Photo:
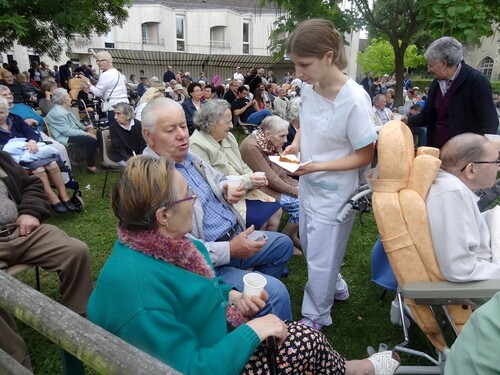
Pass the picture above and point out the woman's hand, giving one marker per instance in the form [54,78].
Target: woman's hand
[32,147]
[306,169]
[269,325]
[248,305]
[258,181]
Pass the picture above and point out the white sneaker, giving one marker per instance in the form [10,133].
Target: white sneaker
[385,363]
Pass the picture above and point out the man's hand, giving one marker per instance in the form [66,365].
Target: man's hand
[241,247]
[27,224]
[236,196]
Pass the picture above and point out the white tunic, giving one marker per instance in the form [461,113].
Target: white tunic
[332,130]
[460,234]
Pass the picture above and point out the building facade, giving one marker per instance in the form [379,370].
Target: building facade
[215,36]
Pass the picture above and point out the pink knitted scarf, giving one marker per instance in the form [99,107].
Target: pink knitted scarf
[181,253]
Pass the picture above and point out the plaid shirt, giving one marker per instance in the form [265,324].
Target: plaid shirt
[217,218]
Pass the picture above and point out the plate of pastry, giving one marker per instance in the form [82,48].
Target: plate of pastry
[289,162]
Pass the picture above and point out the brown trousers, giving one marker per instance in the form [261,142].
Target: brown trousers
[52,249]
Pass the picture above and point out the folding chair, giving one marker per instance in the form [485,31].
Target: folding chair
[398,202]
[110,164]
[20,268]
[247,127]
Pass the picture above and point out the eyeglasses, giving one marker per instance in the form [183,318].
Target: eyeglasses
[98,61]
[191,196]
[497,162]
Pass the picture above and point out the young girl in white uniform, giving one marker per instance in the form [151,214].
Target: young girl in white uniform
[337,136]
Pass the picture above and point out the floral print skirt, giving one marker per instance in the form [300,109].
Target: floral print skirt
[305,351]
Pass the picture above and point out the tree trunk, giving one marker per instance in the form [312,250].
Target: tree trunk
[399,55]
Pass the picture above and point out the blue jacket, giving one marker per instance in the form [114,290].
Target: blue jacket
[189,111]
[18,129]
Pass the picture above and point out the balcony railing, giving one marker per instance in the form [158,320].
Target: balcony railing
[153,42]
[219,44]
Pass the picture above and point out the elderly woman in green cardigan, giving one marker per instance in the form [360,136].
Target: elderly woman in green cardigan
[158,291]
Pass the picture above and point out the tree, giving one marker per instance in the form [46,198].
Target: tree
[47,26]
[465,20]
[379,57]
[397,21]
[291,12]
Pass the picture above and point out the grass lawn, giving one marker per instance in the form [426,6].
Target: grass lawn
[361,321]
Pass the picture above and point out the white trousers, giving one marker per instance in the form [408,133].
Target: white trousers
[324,247]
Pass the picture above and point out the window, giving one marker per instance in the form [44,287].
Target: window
[486,67]
[151,34]
[109,45]
[217,37]
[179,29]
[246,37]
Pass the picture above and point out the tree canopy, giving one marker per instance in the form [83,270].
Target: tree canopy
[46,26]
[397,21]
[378,57]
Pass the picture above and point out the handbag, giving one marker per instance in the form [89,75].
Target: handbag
[105,103]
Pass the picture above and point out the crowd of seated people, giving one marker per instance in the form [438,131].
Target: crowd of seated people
[22,142]
[210,145]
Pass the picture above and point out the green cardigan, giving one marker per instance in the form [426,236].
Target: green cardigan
[177,316]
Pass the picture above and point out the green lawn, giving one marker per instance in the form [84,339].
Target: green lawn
[361,321]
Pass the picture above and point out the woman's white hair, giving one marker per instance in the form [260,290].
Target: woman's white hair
[273,124]
[59,95]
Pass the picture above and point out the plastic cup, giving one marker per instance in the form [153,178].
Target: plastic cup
[259,174]
[397,116]
[254,283]
[232,184]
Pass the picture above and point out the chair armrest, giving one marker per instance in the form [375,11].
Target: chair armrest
[448,293]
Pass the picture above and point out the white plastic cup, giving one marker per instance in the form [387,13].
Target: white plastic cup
[397,116]
[254,283]
[232,184]
[259,174]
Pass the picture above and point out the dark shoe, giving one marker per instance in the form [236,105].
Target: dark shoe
[92,171]
[285,272]
[59,207]
[70,206]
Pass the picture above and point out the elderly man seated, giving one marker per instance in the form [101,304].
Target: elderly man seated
[460,233]
[214,218]
[381,114]
[23,205]
[20,96]
[66,128]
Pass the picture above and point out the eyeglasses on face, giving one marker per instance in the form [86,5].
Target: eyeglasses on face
[98,61]
[191,195]
[497,162]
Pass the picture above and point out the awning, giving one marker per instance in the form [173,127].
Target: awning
[134,57]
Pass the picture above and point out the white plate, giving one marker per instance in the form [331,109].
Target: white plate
[290,167]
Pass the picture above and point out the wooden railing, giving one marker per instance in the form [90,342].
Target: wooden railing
[92,345]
